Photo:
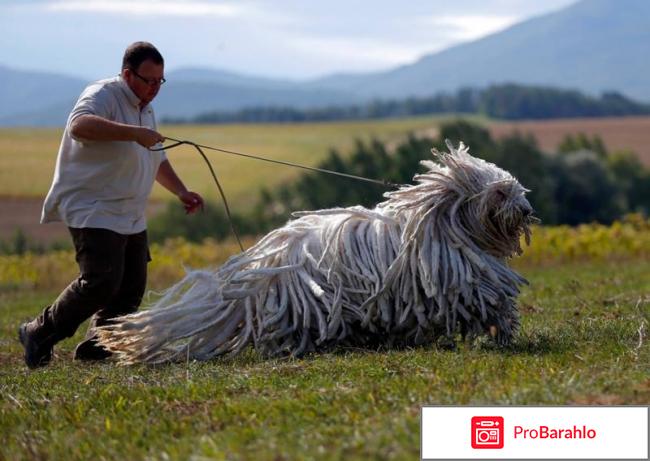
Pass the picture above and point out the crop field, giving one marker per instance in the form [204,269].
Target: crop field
[583,340]
[28,156]
[618,133]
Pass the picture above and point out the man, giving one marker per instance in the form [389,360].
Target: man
[103,178]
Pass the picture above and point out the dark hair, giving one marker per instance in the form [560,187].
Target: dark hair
[138,52]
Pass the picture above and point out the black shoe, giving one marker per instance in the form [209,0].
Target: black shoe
[90,350]
[37,353]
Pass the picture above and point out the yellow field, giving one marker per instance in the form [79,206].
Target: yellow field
[624,240]
[27,156]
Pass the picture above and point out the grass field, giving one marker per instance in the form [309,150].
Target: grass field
[579,344]
[585,319]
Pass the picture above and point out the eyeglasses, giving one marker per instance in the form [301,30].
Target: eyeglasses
[149,81]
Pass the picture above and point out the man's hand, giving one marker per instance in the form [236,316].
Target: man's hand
[191,201]
[167,178]
[147,138]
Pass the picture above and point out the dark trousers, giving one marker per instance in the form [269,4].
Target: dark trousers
[111,282]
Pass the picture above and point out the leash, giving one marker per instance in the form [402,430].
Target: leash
[200,147]
[214,176]
[178,142]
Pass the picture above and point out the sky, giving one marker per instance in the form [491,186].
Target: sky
[289,39]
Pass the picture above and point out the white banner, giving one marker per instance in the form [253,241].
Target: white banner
[534,432]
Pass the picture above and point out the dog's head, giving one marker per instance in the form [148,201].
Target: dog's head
[475,201]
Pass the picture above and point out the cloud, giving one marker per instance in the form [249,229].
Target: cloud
[375,52]
[150,8]
[358,52]
[470,27]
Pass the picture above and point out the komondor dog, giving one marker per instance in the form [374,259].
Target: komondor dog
[428,262]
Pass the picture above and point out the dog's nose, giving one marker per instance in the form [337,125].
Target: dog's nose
[527,214]
[526,208]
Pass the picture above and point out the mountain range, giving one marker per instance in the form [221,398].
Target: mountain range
[592,46]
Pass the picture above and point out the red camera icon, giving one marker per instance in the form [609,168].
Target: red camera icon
[487,432]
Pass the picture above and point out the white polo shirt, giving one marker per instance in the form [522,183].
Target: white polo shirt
[104,184]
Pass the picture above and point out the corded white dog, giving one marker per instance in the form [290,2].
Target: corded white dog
[430,261]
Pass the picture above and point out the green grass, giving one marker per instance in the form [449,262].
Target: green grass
[34,150]
[579,344]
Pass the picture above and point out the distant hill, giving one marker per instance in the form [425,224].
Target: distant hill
[193,91]
[591,46]
[41,99]
[36,98]
[503,101]
[226,78]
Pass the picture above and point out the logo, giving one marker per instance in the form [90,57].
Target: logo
[487,432]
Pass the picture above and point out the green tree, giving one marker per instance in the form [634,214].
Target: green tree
[580,141]
[587,191]
[633,179]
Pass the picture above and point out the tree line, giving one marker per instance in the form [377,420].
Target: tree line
[582,182]
[507,101]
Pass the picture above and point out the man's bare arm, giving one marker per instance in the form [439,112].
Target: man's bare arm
[168,178]
[95,128]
